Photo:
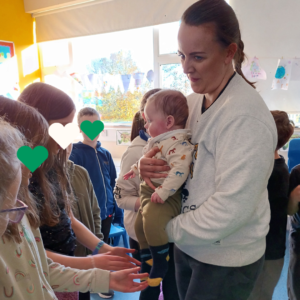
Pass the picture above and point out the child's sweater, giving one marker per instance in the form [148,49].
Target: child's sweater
[177,151]
[27,273]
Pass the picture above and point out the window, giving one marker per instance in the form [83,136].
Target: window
[111,72]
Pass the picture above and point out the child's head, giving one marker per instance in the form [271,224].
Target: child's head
[87,114]
[10,170]
[285,127]
[138,122]
[165,111]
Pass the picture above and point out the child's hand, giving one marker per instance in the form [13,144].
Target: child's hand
[129,175]
[156,199]
[122,281]
[122,252]
[111,262]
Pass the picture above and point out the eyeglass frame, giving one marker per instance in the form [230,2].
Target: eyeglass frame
[24,207]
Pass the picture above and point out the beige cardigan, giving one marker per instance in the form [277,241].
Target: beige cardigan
[27,273]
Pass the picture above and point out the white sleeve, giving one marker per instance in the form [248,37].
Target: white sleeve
[244,158]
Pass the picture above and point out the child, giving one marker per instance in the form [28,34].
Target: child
[26,271]
[278,187]
[166,113]
[100,166]
[85,208]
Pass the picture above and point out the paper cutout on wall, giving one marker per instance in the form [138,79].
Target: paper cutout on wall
[253,71]
[123,137]
[138,77]
[295,75]
[150,76]
[30,60]
[282,75]
[7,50]
[126,82]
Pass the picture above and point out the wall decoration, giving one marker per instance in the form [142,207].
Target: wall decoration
[253,71]
[123,137]
[282,75]
[150,76]
[138,77]
[7,50]
[126,81]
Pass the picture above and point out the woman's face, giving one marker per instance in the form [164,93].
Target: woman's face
[9,201]
[203,59]
[64,122]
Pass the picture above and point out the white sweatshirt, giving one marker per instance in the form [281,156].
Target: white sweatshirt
[127,192]
[177,151]
[225,212]
[27,273]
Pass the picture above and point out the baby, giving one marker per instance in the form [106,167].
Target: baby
[166,113]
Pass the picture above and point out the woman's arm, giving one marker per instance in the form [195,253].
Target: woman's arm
[243,164]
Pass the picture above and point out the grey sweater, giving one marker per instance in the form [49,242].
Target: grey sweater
[225,211]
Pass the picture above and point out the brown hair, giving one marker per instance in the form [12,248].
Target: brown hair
[221,15]
[172,103]
[53,104]
[24,118]
[285,127]
[87,111]
[138,124]
[146,97]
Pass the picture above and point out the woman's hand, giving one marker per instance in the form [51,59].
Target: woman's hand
[129,175]
[111,262]
[150,167]
[122,281]
[156,199]
[137,204]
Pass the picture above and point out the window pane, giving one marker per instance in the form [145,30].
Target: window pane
[174,78]
[168,38]
[113,71]
[55,53]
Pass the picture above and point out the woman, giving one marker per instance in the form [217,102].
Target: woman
[59,226]
[220,235]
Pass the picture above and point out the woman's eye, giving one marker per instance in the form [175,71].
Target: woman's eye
[198,57]
[180,55]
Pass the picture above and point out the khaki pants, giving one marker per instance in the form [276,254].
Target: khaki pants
[152,218]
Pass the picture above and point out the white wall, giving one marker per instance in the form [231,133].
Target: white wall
[271,30]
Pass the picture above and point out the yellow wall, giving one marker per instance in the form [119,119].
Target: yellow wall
[17,27]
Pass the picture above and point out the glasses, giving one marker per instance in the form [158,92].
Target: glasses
[16,214]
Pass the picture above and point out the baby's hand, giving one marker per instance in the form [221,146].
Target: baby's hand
[156,199]
[129,175]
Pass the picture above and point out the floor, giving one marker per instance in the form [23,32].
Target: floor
[280,292]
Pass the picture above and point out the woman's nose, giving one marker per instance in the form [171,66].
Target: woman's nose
[187,66]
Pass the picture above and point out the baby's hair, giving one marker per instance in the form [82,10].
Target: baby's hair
[11,140]
[87,111]
[171,103]
[146,97]
[285,127]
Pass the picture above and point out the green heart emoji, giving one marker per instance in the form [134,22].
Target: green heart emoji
[92,129]
[32,158]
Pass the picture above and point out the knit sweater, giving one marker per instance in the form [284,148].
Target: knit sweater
[27,273]
[128,191]
[226,213]
[86,208]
